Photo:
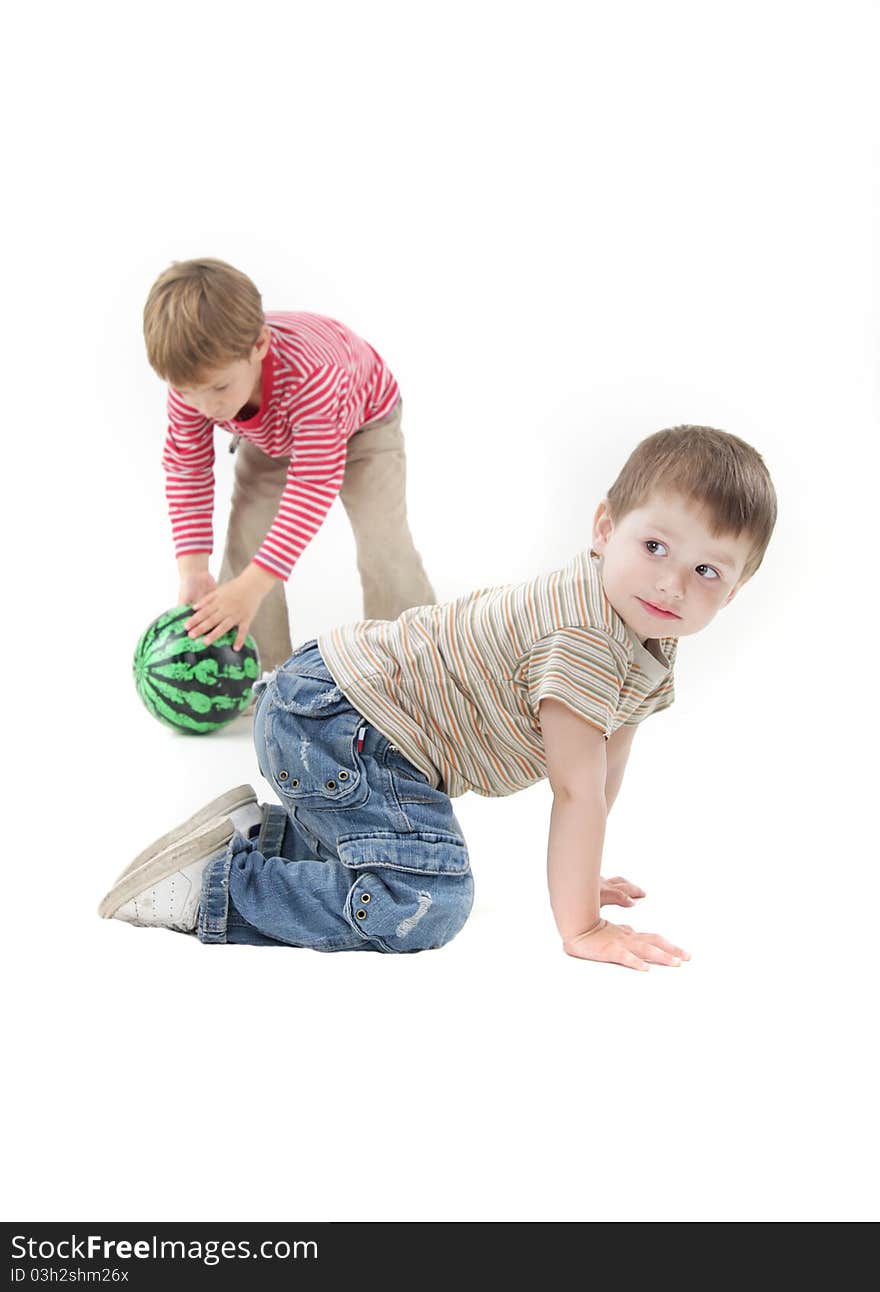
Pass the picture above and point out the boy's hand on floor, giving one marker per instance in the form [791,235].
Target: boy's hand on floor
[194,586]
[230,605]
[620,944]
[618,891]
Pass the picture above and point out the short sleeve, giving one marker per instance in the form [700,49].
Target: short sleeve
[584,669]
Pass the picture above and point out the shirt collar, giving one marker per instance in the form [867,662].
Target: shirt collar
[267,381]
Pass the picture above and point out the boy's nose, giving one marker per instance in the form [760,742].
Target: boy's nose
[671,584]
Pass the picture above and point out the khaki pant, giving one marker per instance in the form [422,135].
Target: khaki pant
[374,496]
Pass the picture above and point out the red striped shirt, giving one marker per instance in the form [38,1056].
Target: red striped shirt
[320,384]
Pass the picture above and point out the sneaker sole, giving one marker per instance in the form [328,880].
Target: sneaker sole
[212,813]
[133,882]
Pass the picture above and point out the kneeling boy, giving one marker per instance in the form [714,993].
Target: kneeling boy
[367,734]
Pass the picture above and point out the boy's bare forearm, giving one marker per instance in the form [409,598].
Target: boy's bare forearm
[574,859]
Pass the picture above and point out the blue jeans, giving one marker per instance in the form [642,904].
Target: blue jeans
[364,855]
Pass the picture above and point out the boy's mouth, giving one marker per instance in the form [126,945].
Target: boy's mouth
[660,611]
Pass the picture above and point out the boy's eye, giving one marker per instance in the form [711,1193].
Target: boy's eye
[655,548]
[708,572]
[219,389]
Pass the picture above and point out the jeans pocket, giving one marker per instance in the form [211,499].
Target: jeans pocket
[310,750]
[411,892]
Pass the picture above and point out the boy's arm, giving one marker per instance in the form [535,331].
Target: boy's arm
[577,768]
[188,463]
[303,507]
[616,754]
[617,890]
[220,608]
[314,479]
[195,577]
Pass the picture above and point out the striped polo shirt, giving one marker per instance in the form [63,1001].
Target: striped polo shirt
[320,383]
[457,687]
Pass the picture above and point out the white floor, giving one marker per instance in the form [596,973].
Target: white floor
[591,238]
[495,1079]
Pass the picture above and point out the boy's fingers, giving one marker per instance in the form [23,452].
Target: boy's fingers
[664,945]
[205,621]
[658,957]
[614,897]
[199,619]
[631,961]
[632,890]
[223,627]
[210,628]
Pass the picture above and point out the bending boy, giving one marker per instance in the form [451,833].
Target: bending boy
[315,411]
[367,734]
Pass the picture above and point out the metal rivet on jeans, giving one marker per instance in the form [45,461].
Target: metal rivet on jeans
[360,913]
[282,776]
[331,785]
[343,776]
[365,897]
[294,784]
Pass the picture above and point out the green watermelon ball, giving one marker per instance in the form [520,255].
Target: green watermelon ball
[189,686]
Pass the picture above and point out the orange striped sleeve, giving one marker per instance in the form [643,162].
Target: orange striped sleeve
[582,668]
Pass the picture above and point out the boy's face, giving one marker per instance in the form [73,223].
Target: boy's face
[220,393]
[664,571]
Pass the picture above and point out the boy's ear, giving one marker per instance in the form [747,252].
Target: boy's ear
[261,348]
[603,526]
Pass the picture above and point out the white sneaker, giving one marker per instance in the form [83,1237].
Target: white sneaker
[239,805]
[161,886]
[165,890]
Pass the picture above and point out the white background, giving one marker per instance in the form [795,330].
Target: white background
[564,226]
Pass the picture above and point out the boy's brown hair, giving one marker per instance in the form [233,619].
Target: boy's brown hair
[200,314]
[712,468]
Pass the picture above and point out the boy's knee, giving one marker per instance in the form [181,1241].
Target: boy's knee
[418,908]
[406,913]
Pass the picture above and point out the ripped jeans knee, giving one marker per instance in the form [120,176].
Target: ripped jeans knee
[411,892]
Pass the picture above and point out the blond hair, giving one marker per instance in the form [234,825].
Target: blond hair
[200,314]
[712,468]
